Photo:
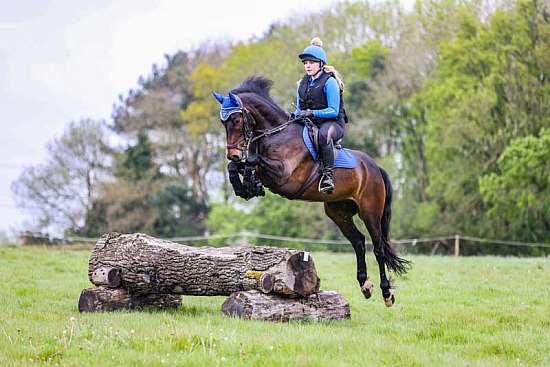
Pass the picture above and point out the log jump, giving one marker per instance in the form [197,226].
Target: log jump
[137,270]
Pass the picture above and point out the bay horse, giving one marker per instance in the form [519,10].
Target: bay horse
[265,139]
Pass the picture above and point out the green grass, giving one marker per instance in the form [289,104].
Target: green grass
[483,311]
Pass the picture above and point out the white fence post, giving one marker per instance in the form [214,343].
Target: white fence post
[457,245]
[244,238]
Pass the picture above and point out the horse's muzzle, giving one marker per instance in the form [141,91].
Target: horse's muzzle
[234,152]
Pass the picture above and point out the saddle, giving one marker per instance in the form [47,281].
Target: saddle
[342,157]
[313,133]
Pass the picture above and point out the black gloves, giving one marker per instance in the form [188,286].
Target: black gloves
[306,113]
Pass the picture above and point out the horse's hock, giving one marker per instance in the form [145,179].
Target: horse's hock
[137,270]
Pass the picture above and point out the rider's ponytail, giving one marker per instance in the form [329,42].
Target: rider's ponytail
[337,76]
[327,68]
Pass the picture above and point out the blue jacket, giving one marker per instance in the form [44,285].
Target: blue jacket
[327,105]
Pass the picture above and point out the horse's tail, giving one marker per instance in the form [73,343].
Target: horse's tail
[394,263]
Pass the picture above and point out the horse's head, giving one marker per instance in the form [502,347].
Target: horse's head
[243,119]
[238,125]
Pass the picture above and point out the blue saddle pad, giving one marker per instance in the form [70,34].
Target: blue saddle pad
[344,159]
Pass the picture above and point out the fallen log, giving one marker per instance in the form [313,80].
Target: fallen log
[143,264]
[325,305]
[110,299]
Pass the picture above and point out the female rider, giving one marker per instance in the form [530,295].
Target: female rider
[319,98]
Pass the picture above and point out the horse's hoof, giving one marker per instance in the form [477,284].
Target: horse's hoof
[390,300]
[367,289]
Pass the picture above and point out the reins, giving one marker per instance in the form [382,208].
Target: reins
[249,135]
[270,131]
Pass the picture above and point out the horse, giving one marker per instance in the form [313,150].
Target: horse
[267,143]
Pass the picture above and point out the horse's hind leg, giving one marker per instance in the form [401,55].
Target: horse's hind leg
[342,213]
[372,222]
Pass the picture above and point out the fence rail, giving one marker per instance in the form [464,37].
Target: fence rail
[244,236]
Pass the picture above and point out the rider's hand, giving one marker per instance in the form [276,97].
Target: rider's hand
[306,113]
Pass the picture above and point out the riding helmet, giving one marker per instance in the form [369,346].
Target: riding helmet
[314,52]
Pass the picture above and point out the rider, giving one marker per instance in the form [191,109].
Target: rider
[319,98]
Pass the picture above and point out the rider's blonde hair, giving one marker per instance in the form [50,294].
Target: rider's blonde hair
[337,76]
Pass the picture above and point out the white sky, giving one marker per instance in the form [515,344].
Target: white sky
[65,60]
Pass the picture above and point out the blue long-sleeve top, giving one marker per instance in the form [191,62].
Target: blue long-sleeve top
[332,90]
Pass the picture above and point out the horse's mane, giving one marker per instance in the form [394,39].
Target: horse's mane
[260,86]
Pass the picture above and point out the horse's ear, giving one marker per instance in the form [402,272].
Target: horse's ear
[218,96]
[235,100]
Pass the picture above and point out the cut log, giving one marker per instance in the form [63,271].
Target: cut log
[265,282]
[109,277]
[325,305]
[147,265]
[110,299]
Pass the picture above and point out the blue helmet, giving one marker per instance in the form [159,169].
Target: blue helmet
[313,53]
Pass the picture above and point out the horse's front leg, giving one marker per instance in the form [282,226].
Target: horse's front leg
[233,169]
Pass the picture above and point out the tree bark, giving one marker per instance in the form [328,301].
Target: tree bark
[143,264]
[325,305]
[110,299]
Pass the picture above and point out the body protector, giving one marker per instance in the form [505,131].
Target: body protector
[313,97]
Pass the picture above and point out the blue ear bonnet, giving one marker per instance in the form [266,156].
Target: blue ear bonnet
[230,105]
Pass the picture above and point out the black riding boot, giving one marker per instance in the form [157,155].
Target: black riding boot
[327,156]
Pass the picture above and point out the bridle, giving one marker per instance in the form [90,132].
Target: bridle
[250,134]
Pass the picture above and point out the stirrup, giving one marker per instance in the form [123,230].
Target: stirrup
[326,187]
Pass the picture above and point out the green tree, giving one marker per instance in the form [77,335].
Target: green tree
[175,108]
[519,195]
[143,199]
[198,139]
[474,109]
[136,161]
[59,192]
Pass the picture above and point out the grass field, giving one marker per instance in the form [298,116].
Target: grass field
[483,311]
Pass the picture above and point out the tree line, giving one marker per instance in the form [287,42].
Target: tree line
[450,97]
